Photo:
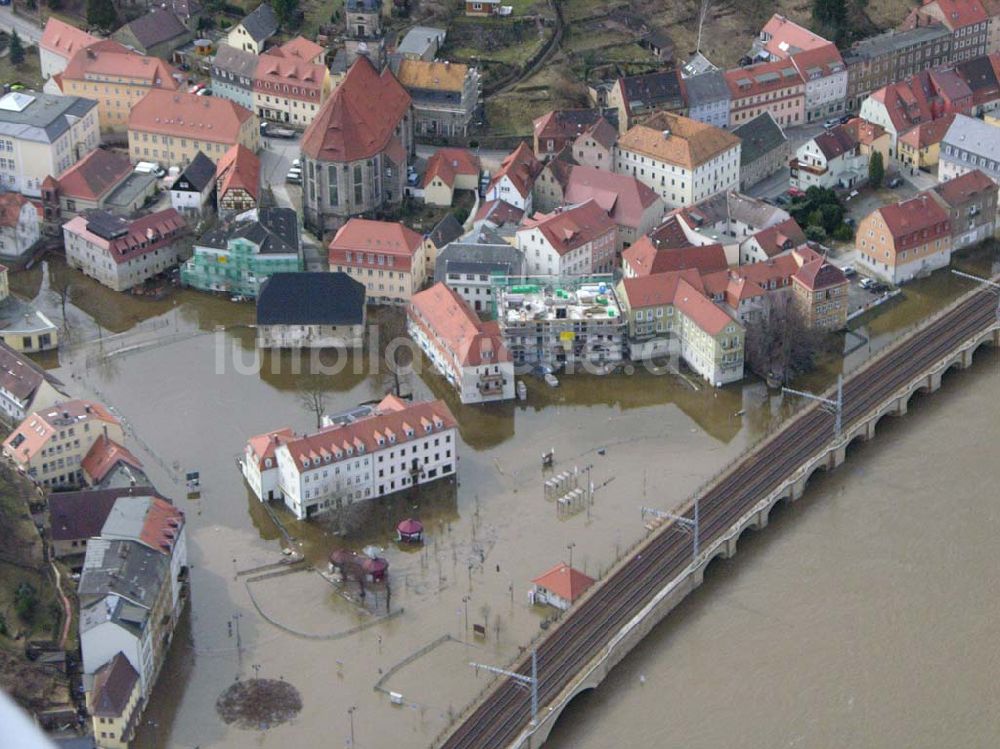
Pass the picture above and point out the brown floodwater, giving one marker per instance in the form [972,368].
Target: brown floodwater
[181,372]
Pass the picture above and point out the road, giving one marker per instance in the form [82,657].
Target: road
[581,634]
[27,30]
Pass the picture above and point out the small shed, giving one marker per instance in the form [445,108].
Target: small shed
[410,531]
[560,587]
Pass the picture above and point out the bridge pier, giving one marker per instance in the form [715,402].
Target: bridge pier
[967,356]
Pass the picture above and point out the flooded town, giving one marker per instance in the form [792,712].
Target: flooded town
[338,411]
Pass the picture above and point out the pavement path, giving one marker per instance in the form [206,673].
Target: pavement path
[28,30]
[67,609]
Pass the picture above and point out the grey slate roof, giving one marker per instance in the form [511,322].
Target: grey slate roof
[75,515]
[155,27]
[239,62]
[760,136]
[126,518]
[891,41]
[276,231]
[311,299]
[198,174]
[127,569]
[706,88]
[19,375]
[45,119]
[447,230]
[972,135]
[462,257]
[419,39]
[261,24]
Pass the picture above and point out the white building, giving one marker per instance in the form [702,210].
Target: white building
[576,241]
[191,192]
[365,454]
[43,135]
[468,353]
[832,159]
[514,179]
[20,227]
[260,467]
[60,41]
[969,144]
[825,75]
[122,253]
[683,160]
[24,386]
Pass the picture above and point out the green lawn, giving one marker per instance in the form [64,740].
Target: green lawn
[28,73]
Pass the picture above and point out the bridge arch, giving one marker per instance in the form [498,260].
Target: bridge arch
[575,703]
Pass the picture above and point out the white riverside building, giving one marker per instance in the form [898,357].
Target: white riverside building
[359,455]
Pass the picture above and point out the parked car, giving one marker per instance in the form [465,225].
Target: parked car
[831,123]
[795,192]
[847,118]
[781,200]
[850,222]
[867,283]
[294,178]
[848,271]
[894,182]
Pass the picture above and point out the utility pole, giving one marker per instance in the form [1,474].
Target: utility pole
[837,404]
[529,681]
[985,282]
[350,715]
[688,525]
[571,545]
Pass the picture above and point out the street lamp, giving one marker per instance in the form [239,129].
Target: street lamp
[350,715]
[465,603]
[570,546]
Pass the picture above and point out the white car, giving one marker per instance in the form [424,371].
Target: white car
[297,164]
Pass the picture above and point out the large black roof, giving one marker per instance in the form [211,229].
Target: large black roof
[198,174]
[311,299]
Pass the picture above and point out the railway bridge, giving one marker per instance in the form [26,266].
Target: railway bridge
[635,595]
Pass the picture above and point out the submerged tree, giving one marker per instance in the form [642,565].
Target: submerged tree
[312,396]
[780,343]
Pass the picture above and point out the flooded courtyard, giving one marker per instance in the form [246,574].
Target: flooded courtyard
[183,375]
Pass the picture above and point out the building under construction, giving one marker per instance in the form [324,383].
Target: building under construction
[555,321]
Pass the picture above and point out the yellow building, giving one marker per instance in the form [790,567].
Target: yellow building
[289,90]
[920,146]
[170,128]
[113,703]
[117,79]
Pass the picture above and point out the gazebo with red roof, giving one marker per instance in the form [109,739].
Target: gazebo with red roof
[410,531]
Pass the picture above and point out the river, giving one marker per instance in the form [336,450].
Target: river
[865,614]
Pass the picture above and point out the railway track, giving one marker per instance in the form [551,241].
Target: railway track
[503,714]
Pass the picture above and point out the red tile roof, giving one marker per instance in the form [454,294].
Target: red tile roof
[299,48]
[499,213]
[965,187]
[568,228]
[64,40]
[264,445]
[566,123]
[817,274]
[112,60]
[787,37]
[114,683]
[184,115]
[95,175]
[448,163]
[239,169]
[623,197]
[956,14]
[658,289]
[916,214]
[783,236]
[447,319]
[11,204]
[819,61]
[292,77]
[645,259]
[927,133]
[368,239]
[144,234]
[162,525]
[103,456]
[38,427]
[334,443]
[564,581]
[360,117]
[762,78]
[700,309]
[520,167]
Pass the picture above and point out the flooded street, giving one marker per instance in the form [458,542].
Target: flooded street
[182,374]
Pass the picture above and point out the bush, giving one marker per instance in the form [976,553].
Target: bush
[843,233]
[26,603]
[815,233]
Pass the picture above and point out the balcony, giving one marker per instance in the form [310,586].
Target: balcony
[795,165]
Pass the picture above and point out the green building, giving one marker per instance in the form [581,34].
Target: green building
[238,257]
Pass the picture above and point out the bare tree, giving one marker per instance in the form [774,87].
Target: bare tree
[312,394]
[395,348]
[780,344]
[61,285]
